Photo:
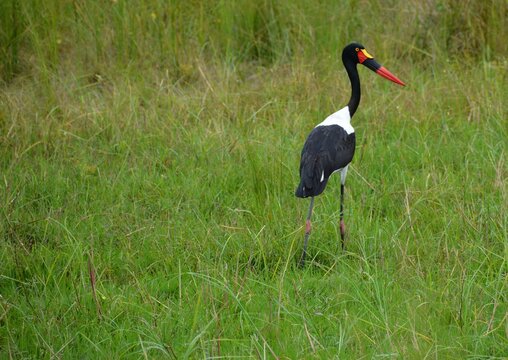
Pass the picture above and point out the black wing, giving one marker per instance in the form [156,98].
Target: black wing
[327,149]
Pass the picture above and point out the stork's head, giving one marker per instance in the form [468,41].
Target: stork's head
[357,54]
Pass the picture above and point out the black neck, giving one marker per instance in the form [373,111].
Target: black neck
[352,72]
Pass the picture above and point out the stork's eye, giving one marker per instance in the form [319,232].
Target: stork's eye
[357,49]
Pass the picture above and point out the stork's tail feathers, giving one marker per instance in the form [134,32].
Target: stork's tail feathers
[312,179]
[300,191]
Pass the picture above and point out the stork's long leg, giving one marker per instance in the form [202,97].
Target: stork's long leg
[307,232]
[342,225]
[341,214]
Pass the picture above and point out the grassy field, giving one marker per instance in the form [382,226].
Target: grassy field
[154,147]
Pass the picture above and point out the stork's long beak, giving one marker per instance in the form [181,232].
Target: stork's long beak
[381,70]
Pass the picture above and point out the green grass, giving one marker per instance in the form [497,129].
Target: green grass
[160,143]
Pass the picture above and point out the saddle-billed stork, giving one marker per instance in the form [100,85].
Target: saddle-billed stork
[331,145]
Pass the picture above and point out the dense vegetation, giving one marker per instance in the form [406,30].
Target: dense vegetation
[151,148]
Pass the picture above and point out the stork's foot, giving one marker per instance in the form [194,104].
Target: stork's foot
[301,264]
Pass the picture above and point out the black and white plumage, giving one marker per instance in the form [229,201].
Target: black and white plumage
[330,146]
